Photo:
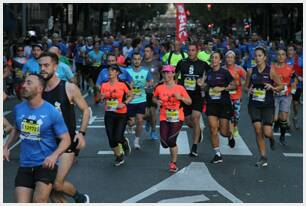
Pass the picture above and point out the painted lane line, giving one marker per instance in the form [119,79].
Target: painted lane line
[14,145]
[186,199]
[85,95]
[240,148]
[293,154]
[105,152]
[182,142]
[6,113]
[194,177]
[278,134]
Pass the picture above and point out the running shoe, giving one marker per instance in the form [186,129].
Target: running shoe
[153,135]
[231,142]
[216,159]
[262,162]
[119,161]
[282,141]
[147,126]
[173,167]
[193,152]
[272,144]
[136,143]
[82,198]
[126,147]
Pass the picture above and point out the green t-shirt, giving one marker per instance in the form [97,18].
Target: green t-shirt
[204,56]
[175,58]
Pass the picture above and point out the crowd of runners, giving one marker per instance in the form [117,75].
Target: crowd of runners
[140,81]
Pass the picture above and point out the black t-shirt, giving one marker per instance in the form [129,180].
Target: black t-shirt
[220,78]
[188,72]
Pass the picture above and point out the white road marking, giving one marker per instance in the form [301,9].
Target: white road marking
[6,113]
[85,95]
[14,145]
[182,142]
[194,177]
[105,152]
[240,148]
[293,154]
[278,134]
[186,199]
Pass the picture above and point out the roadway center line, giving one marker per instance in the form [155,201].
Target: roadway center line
[293,154]
[6,113]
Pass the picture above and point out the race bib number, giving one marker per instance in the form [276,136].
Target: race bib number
[137,91]
[190,84]
[172,115]
[259,95]
[233,92]
[30,127]
[214,94]
[96,64]
[111,105]
[19,73]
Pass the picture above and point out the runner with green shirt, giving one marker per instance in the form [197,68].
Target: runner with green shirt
[137,107]
[173,57]
[205,54]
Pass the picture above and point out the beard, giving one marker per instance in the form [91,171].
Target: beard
[48,77]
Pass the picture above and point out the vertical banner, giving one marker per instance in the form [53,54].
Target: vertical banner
[181,23]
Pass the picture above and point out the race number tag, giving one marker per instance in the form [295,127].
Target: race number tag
[111,105]
[19,73]
[214,94]
[233,92]
[172,115]
[259,95]
[30,127]
[137,91]
[190,84]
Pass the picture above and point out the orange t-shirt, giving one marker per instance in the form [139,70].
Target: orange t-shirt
[171,109]
[237,73]
[114,95]
[285,73]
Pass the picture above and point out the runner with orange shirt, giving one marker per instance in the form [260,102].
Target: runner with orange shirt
[283,98]
[169,96]
[116,95]
[237,73]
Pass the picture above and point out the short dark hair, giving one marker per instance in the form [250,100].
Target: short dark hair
[259,48]
[218,52]
[41,79]
[193,44]
[149,46]
[136,53]
[53,56]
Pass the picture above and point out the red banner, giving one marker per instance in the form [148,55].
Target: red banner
[181,23]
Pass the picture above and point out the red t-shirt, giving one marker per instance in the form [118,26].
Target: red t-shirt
[171,109]
[285,73]
[237,73]
[114,95]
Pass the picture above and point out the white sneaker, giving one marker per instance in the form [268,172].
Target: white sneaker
[136,143]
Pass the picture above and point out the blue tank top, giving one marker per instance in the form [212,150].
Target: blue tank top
[261,97]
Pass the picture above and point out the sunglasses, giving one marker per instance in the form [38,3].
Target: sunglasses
[19,50]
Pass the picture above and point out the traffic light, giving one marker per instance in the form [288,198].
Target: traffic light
[209,7]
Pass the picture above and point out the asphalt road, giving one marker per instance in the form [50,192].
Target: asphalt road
[145,177]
